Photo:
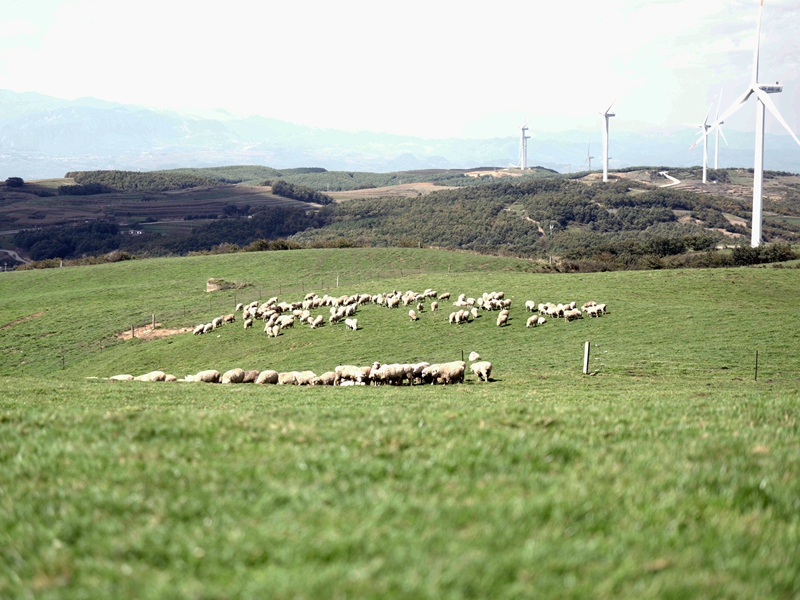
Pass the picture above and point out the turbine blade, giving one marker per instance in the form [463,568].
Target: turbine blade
[764,97]
[722,133]
[716,118]
[733,108]
[708,114]
[608,110]
[758,43]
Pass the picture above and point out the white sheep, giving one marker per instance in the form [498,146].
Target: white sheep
[351,324]
[482,369]
[208,376]
[248,323]
[233,376]
[266,377]
[502,319]
[413,316]
[473,356]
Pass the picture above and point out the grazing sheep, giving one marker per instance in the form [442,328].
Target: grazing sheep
[434,306]
[446,373]
[349,373]
[305,378]
[482,369]
[287,378]
[317,322]
[351,324]
[502,319]
[208,376]
[474,312]
[122,378]
[266,377]
[250,376]
[231,318]
[217,322]
[152,376]
[239,307]
[198,330]
[413,316]
[530,306]
[233,376]
[444,296]
[393,374]
[571,314]
[535,321]
[170,378]
[328,378]
[473,356]
[248,323]
[208,328]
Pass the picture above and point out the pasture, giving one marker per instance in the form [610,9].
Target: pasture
[669,472]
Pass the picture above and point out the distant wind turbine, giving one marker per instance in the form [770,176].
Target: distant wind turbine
[607,114]
[589,156]
[523,148]
[762,92]
[705,127]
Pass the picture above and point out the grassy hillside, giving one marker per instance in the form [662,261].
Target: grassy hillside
[670,472]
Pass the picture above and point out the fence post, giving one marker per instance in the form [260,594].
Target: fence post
[756,376]
[133,332]
[154,321]
[586,358]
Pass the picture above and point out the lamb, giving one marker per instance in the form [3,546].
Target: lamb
[152,376]
[266,377]
[209,376]
[351,324]
[413,316]
[233,376]
[473,356]
[328,378]
[482,369]
[420,307]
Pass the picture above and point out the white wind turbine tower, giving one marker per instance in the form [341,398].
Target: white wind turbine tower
[589,156]
[705,127]
[523,148]
[762,92]
[718,132]
[607,114]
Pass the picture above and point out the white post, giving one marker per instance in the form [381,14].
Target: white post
[758,176]
[337,281]
[705,154]
[586,358]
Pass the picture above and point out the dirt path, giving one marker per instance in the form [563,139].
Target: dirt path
[15,256]
[673,181]
[148,333]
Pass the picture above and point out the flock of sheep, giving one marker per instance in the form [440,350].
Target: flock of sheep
[279,316]
[343,375]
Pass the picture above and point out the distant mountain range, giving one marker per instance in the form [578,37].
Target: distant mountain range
[42,137]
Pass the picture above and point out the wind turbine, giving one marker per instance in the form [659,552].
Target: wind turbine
[718,132]
[705,127]
[589,156]
[523,148]
[762,92]
[607,114]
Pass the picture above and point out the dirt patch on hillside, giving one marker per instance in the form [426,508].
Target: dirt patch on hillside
[147,332]
[22,320]
[403,190]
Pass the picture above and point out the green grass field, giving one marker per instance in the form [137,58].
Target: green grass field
[670,473]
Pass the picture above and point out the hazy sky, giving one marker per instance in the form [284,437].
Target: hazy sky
[428,68]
